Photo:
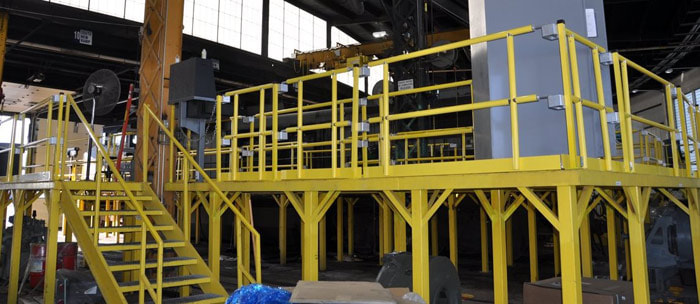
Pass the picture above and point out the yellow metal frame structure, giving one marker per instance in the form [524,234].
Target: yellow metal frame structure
[563,189]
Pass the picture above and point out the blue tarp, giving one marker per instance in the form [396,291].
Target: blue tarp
[259,294]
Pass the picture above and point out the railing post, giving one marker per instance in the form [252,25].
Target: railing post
[513,92]
[300,124]
[385,138]
[602,112]
[620,92]
[171,151]
[219,99]
[581,130]
[566,81]
[262,138]
[59,139]
[98,192]
[49,117]
[64,142]
[146,143]
[627,115]
[234,140]
[275,129]
[334,128]
[11,152]
[684,130]
[355,119]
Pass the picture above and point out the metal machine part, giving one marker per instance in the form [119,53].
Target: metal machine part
[444,281]
[669,246]
[33,231]
[194,94]
[101,92]
[76,286]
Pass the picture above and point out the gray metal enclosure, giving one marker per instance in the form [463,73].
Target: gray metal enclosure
[538,71]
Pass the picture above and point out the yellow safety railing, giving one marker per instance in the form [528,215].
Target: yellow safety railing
[149,116]
[256,154]
[145,285]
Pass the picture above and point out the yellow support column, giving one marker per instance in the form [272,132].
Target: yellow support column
[381,235]
[400,226]
[484,240]
[214,241]
[419,232]
[694,213]
[500,260]
[310,236]
[16,249]
[452,219]
[51,245]
[586,251]
[532,242]
[351,227]
[570,247]
[283,202]
[636,212]
[322,244]
[387,216]
[339,235]
[434,236]
[612,241]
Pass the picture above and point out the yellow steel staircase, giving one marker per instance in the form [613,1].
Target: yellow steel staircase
[169,261]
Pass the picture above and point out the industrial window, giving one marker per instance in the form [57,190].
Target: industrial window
[236,23]
[293,29]
[694,98]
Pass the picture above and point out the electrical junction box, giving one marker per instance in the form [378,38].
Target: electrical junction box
[192,84]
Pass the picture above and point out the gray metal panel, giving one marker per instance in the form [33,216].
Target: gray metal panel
[542,131]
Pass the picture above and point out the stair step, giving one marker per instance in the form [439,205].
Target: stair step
[137,245]
[151,263]
[112,198]
[121,212]
[124,229]
[205,298]
[168,282]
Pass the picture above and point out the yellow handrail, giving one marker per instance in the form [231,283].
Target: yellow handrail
[149,115]
[146,223]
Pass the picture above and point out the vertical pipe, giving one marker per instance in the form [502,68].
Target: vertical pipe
[570,247]
[532,242]
[612,241]
[146,143]
[484,240]
[420,255]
